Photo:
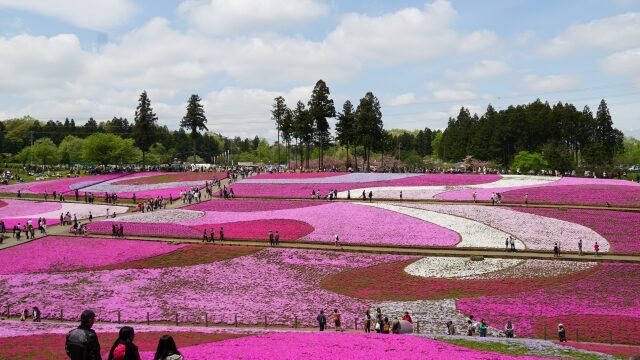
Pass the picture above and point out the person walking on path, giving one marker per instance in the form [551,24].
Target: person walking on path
[580,247]
[336,240]
[526,199]
[367,322]
[512,241]
[276,238]
[556,250]
[271,242]
[322,320]
[475,196]
[370,195]
[506,244]
[336,320]
[82,343]
[596,249]
[562,333]
[379,320]
[221,233]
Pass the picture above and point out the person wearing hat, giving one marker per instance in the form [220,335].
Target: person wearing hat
[82,343]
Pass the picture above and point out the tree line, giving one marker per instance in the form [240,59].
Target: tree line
[566,137]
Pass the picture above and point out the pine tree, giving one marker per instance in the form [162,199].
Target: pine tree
[194,120]
[144,127]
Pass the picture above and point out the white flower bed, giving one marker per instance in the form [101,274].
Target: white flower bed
[82,210]
[537,232]
[107,186]
[472,233]
[429,192]
[339,179]
[457,267]
[161,216]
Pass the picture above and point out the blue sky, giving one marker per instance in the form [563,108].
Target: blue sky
[422,59]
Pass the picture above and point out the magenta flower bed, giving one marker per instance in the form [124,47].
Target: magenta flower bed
[303,190]
[332,345]
[250,205]
[58,185]
[145,229]
[620,228]
[617,195]
[258,229]
[60,253]
[244,230]
[612,291]
[278,283]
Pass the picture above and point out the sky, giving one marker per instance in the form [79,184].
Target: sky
[422,59]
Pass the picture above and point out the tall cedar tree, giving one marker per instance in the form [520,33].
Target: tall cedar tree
[278,112]
[321,107]
[303,129]
[346,128]
[144,126]
[369,124]
[287,130]
[194,120]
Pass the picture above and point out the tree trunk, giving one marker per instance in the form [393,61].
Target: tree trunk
[143,159]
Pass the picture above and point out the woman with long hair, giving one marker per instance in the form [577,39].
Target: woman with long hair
[167,349]
[124,348]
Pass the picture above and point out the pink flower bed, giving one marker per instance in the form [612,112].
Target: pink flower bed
[278,283]
[59,185]
[60,253]
[22,208]
[250,205]
[612,291]
[355,224]
[332,345]
[620,228]
[19,211]
[617,195]
[303,190]
[485,194]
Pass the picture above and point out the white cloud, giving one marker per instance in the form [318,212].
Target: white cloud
[449,95]
[35,64]
[222,17]
[624,62]
[615,32]
[409,34]
[100,15]
[485,69]
[402,100]
[550,83]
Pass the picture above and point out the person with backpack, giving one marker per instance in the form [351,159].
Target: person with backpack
[124,348]
[322,320]
[36,314]
[167,349]
[386,326]
[82,343]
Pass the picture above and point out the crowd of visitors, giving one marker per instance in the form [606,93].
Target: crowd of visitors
[82,343]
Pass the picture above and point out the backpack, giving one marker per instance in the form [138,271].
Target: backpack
[386,327]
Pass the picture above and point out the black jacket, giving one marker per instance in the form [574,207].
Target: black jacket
[82,344]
